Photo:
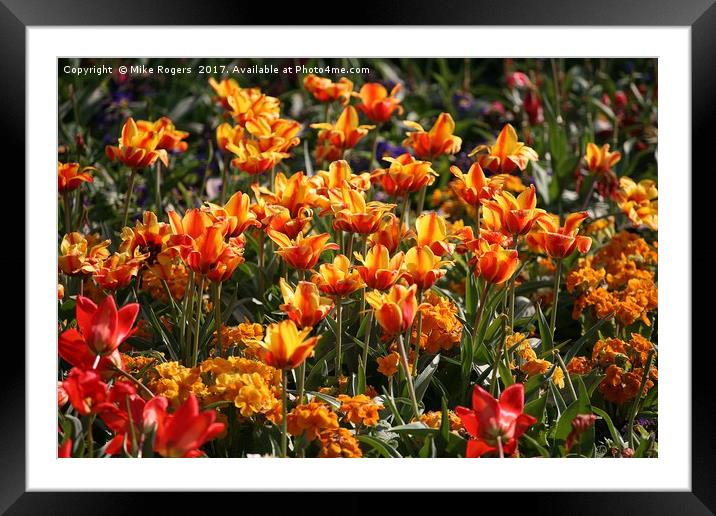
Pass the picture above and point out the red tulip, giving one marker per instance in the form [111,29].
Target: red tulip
[104,328]
[494,424]
[85,390]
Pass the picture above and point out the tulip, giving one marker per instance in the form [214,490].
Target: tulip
[304,305]
[599,160]
[496,265]
[559,242]
[228,134]
[280,219]
[513,215]
[138,148]
[301,253]
[638,201]
[475,187]
[236,214]
[70,177]
[335,139]
[396,309]
[405,175]
[432,233]
[325,90]
[390,233]
[423,267]
[171,138]
[379,271]
[338,172]
[81,256]
[376,104]
[72,348]
[337,279]
[85,390]
[148,236]
[224,90]
[353,214]
[495,425]
[506,155]
[436,142]
[251,159]
[182,433]
[104,328]
[249,104]
[118,270]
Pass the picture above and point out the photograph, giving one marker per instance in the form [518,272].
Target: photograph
[357,257]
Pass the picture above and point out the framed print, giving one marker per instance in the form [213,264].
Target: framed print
[428,248]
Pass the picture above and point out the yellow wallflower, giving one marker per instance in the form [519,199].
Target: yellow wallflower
[311,419]
[359,409]
[339,443]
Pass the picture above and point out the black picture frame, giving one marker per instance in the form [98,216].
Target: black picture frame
[17,15]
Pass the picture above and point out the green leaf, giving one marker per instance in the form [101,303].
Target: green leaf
[416,428]
[582,405]
[616,436]
[545,333]
[380,446]
[423,379]
[579,343]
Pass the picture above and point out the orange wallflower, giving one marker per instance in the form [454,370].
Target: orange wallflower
[496,264]
[359,409]
[325,90]
[506,155]
[620,386]
[334,139]
[388,365]
[422,267]
[432,233]
[638,201]
[301,253]
[70,177]
[560,242]
[377,105]
[304,305]
[441,329]
[284,347]
[339,442]
[396,309]
[436,142]
[137,148]
[405,175]
[171,139]
[379,271]
[337,278]
[80,255]
[353,214]
[513,215]
[310,420]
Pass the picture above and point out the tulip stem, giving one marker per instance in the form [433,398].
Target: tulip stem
[128,198]
[90,440]
[498,356]
[419,332]
[301,381]
[261,265]
[366,347]
[408,376]
[339,334]
[404,217]
[224,179]
[512,292]
[421,201]
[158,188]
[195,354]
[188,293]
[480,310]
[557,275]
[284,411]
[216,291]
[566,373]
[500,450]
[132,379]
[68,215]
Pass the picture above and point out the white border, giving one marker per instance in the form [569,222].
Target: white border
[672,470]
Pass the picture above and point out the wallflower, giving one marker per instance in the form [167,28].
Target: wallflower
[339,443]
[433,419]
[506,155]
[301,253]
[311,420]
[579,365]
[81,256]
[404,175]
[335,139]
[394,310]
[436,142]
[619,386]
[240,336]
[253,395]
[584,277]
[388,365]
[638,201]
[137,148]
[171,138]
[376,104]
[359,409]
[169,268]
[325,90]
[337,278]
[441,329]
[176,382]
[70,176]
[304,305]
[378,269]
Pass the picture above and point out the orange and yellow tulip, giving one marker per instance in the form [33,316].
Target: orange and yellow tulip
[556,241]
[284,347]
[338,172]
[325,90]
[353,214]
[422,267]
[171,139]
[396,309]
[303,252]
[513,215]
[118,270]
[247,104]
[227,133]
[277,134]
[379,270]
[149,236]
[337,278]
[235,214]
[137,149]
[251,159]
[638,201]
[599,160]
[474,186]
[405,175]
[376,104]
[506,155]
[280,219]
[436,142]
[432,233]
[70,177]
[334,139]
[495,264]
[293,193]
[304,305]
[390,233]
[80,255]
[224,90]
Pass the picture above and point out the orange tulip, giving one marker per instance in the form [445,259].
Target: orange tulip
[118,270]
[432,233]
[475,187]
[284,347]
[638,201]
[556,241]
[235,213]
[496,264]
[334,139]
[390,233]
[226,134]
[80,255]
[513,216]
[149,236]
[325,90]
[353,214]
[436,142]
[171,139]
[304,305]
[377,105]
[423,267]
[247,104]
[599,159]
[280,219]
[251,159]
[338,172]
[70,177]
[379,271]
[224,90]
[277,134]
[294,193]
[506,155]
[301,253]
[396,309]
[137,149]
[405,175]
[337,278]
